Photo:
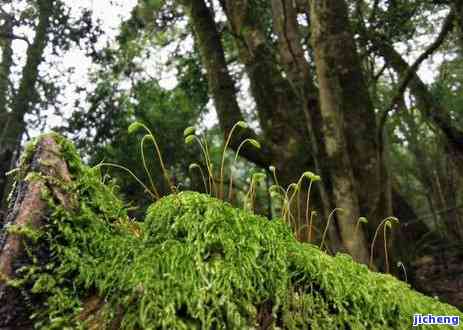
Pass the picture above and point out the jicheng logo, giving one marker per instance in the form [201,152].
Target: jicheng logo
[419,319]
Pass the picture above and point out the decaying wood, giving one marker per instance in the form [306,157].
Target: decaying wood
[28,208]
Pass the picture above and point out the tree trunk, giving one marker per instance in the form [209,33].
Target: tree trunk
[458,8]
[300,77]
[5,116]
[25,97]
[221,84]
[5,65]
[278,106]
[331,41]
[28,210]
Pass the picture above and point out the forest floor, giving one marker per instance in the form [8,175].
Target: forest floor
[439,273]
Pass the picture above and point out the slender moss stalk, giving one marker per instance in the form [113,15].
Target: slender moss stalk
[241,124]
[253,142]
[386,220]
[286,211]
[277,191]
[194,165]
[401,265]
[142,152]
[312,215]
[357,225]
[190,139]
[250,196]
[312,179]
[154,194]
[134,127]
[386,225]
[338,209]
[207,154]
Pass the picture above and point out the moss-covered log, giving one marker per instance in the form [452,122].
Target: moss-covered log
[195,262]
[42,168]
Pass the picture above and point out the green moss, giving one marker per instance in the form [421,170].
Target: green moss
[198,263]
[25,230]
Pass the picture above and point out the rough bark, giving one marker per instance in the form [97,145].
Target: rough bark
[5,65]
[221,85]
[329,26]
[28,210]
[299,74]
[458,8]
[25,97]
[278,106]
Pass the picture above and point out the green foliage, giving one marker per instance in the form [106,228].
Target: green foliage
[198,263]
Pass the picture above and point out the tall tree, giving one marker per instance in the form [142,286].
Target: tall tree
[5,70]
[13,128]
[343,99]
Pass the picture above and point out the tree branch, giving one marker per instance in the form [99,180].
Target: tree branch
[13,36]
[411,71]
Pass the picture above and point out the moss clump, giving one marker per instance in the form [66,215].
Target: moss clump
[198,263]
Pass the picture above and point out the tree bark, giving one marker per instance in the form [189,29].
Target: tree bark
[221,85]
[299,74]
[28,210]
[25,97]
[278,107]
[5,116]
[332,41]
[5,65]
[458,8]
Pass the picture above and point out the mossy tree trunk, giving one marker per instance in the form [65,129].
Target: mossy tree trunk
[28,211]
[24,100]
[359,176]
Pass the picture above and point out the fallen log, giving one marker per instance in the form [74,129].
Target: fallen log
[28,210]
[70,257]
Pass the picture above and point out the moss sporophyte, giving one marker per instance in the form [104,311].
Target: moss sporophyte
[196,262]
